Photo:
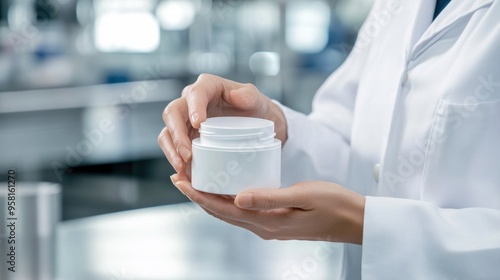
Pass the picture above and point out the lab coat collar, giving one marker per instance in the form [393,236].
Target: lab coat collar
[455,11]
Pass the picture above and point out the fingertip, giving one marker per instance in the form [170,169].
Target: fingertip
[194,119]
[183,186]
[179,177]
[244,200]
[174,178]
[197,106]
[197,117]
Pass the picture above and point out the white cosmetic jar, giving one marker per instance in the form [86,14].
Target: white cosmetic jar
[235,154]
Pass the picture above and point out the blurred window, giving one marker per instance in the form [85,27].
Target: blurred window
[261,16]
[307,24]
[126,26]
[176,14]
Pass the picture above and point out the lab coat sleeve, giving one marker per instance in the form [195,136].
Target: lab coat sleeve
[318,144]
[408,239]
[313,151]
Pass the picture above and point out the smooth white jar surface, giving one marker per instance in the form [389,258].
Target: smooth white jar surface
[235,154]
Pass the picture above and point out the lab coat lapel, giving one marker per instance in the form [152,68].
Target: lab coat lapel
[410,24]
[379,98]
[416,18]
[456,11]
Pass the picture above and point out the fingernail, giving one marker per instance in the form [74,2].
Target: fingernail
[185,153]
[245,201]
[176,182]
[173,178]
[194,117]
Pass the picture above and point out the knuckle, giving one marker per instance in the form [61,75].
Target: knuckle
[161,136]
[193,89]
[192,92]
[176,138]
[160,140]
[170,109]
[269,202]
[251,87]
[165,113]
[204,76]
[186,90]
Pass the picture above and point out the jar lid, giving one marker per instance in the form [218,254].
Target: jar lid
[215,131]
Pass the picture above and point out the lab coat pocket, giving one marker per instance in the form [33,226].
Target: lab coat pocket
[462,167]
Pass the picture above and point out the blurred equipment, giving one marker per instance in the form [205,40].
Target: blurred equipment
[28,230]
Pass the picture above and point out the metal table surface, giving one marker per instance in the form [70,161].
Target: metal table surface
[181,241]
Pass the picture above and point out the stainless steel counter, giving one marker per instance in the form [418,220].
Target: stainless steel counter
[183,242]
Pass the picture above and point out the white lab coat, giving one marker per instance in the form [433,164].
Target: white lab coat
[412,121]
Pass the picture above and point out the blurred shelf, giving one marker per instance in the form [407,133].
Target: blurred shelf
[90,96]
[65,128]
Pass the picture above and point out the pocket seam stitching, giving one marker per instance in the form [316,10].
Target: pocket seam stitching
[424,171]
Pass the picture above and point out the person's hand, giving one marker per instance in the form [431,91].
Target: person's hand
[211,96]
[305,211]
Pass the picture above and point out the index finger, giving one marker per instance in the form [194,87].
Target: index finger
[206,89]
[176,120]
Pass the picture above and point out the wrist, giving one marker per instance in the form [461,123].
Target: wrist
[357,220]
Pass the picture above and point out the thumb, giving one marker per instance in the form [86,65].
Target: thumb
[267,199]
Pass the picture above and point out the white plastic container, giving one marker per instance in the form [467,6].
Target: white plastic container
[235,154]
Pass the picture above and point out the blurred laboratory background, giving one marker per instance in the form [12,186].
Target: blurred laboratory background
[83,83]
